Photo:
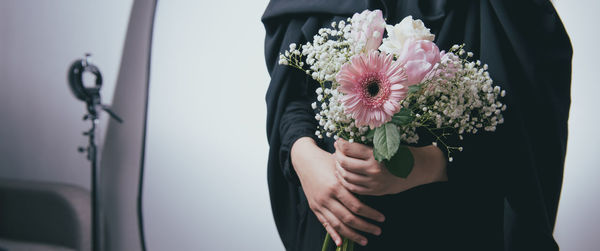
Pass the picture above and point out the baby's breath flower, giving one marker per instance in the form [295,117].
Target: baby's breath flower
[458,94]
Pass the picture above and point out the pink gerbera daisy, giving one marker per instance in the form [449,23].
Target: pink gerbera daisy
[373,84]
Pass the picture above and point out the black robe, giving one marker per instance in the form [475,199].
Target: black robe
[503,190]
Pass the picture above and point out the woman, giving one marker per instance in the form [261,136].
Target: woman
[501,193]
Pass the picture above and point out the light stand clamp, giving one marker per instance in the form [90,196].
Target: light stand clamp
[91,96]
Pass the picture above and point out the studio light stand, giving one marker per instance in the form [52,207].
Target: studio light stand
[91,96]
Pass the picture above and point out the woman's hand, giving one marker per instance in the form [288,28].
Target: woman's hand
[360,173]
[335,207]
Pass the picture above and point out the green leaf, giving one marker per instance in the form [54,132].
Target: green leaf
[377,155]
[401,164]
[386,141]
[414,88]
[403,117]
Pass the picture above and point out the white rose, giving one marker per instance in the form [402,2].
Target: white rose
[403,31]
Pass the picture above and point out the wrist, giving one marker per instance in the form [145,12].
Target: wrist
[429,165]
[302,148]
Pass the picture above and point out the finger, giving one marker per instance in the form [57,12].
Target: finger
[352,178]
[351,187]
[344,230]
[334,235]
[351,164]
[357,207]
[351,220]
[355,150]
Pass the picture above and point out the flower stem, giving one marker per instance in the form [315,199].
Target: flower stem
[326,242]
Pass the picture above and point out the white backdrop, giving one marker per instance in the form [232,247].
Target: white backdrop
[578,223]
[205,183]
[206,152]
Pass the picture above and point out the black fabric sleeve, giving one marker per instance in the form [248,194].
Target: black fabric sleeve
[297,121]
[291,91]
[290,116]
[287,120]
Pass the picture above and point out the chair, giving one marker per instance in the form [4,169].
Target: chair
[40,216]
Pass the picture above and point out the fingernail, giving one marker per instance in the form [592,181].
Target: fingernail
[378,232]
[338,243]
[381,218]
[363,242]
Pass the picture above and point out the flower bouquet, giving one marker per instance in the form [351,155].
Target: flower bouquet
[384,92]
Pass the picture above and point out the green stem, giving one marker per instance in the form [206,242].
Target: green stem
[326,242]
[351,246]
[345,245]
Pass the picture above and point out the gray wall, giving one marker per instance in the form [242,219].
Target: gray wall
[40,120]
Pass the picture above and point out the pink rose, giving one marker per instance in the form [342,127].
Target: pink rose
[418,58]
[367,29]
